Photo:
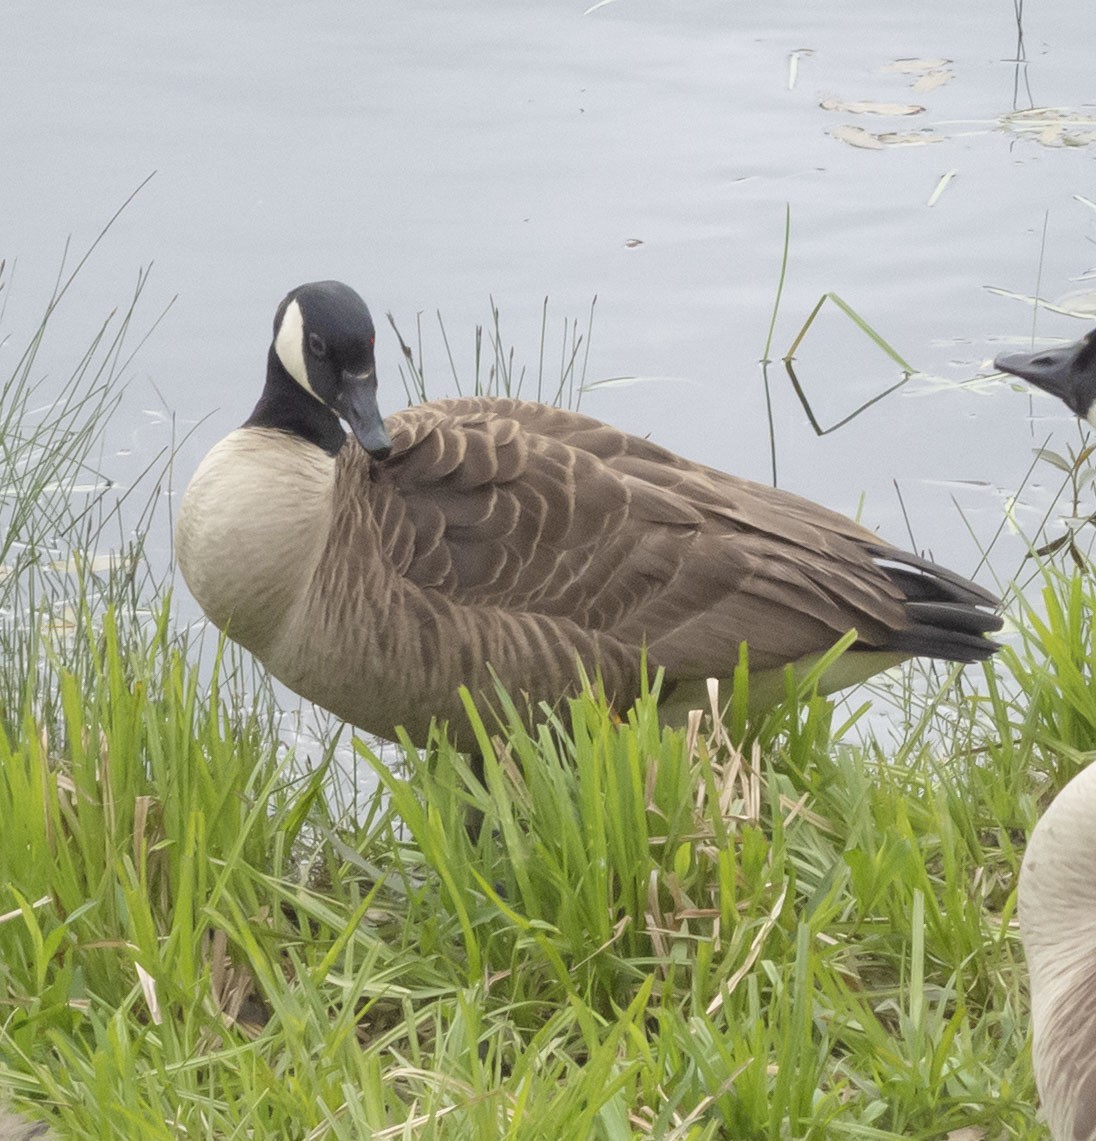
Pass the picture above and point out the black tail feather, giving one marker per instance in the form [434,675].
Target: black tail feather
[949,615]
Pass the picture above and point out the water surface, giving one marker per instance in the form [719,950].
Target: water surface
[436,156]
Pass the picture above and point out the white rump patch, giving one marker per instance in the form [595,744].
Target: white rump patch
[289,345]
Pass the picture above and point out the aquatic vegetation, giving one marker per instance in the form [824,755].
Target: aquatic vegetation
[779,929]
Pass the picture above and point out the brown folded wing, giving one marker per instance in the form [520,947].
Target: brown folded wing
[496,503]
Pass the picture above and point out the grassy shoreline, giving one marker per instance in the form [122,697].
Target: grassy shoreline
[657,934]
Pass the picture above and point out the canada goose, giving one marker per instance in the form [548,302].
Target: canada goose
[1056,898]
[1057,910]
[16,1128]
[464,537]
[1068,373]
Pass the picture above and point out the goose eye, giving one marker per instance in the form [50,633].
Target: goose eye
[317,346]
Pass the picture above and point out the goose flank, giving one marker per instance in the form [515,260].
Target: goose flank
[375,572]
[1057,912]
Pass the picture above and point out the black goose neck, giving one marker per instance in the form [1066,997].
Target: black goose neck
[285,405]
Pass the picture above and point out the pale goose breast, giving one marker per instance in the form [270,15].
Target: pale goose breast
[487,536]
[1057,911]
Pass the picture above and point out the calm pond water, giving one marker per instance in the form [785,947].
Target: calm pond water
[439,155]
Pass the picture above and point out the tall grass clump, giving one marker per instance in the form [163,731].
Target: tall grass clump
[71,541]
[736,950]
[101,797]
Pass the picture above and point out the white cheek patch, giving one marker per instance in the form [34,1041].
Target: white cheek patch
[1091,417]
[289,345]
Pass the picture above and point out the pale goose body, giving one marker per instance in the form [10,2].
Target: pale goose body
[1057,910]
[486,535]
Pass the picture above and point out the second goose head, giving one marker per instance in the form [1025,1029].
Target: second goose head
[1068,372]
[321,367]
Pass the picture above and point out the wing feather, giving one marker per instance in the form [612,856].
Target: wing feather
[523,508]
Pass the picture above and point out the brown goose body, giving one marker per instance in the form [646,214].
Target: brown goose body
[488,536]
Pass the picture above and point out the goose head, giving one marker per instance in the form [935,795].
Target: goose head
[321,369]
[1068,373]
[1057,912]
